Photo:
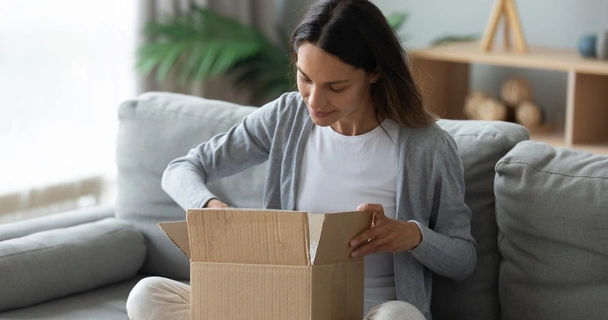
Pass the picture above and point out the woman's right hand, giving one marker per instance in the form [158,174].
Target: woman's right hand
[214,203]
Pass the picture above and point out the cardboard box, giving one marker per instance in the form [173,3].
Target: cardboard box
[258,264]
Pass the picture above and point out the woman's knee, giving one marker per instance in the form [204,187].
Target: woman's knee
[140,296]
[394,310]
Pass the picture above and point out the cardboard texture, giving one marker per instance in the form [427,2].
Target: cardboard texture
[257,264]
[178,232]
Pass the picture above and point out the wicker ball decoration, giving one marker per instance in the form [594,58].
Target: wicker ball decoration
[529,114]
[481,106]
[515,91]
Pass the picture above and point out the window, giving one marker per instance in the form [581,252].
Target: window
[65,66]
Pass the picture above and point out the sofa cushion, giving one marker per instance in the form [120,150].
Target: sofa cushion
[22,228]
[108,302]
[55,263]
[480,145]
[552,212]
[154,129]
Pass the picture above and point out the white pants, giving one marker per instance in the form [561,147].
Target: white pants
[162,298]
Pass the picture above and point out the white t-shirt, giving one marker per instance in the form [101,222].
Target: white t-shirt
[341,172]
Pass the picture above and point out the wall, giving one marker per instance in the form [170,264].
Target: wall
[551,23]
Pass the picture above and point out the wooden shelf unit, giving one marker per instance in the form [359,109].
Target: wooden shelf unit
[443,76]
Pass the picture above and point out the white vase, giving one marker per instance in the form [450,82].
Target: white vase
[601,48]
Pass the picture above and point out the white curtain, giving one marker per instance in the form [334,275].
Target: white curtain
[65,65]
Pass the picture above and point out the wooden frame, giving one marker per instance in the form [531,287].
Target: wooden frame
[507,9]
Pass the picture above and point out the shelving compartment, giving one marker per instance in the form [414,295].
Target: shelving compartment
[587,112]
[443,74]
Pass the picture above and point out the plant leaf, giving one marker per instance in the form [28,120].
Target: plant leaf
[454,38]
[198,44]
[191,60]
[396,20]
[168,61]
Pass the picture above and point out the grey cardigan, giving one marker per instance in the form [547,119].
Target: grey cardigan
[430,186]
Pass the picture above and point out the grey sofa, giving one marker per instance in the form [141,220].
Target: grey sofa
[540,217]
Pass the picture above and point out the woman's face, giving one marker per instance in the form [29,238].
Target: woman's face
[337,94]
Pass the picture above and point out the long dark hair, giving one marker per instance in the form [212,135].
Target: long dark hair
[356,32]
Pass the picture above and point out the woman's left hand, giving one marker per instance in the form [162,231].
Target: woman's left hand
[385,234]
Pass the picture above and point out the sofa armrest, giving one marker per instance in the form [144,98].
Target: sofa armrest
[63,261]
[54,221]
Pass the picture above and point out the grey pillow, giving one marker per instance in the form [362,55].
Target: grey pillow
[480,145]
[552,213]
[22,228]
[59,262]
[154,129]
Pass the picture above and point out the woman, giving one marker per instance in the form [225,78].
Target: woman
[355,135]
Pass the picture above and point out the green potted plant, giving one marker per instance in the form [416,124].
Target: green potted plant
[199,44]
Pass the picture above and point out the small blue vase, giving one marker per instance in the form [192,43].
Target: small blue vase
[586,45]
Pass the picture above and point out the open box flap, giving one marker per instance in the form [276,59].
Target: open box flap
[338,230]
[177,231]
[248,236]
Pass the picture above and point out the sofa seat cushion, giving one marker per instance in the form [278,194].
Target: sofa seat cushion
[56,263]
[480,145]
[108,302]
[552,213]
